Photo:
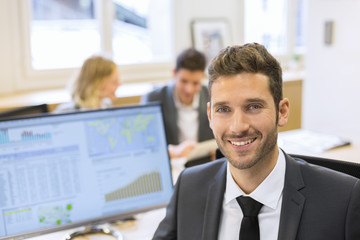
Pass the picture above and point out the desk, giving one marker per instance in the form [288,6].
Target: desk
[349,153]
[145,225]
[141,229]
[126,94]
[311,143]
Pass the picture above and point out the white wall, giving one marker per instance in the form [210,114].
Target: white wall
[332,87]
[13,70]
[188,10]
[7,60]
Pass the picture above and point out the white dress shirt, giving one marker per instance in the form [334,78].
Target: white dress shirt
[269,193]
[188,119]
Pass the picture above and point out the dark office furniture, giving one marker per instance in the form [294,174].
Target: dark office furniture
[350,168]
[22,111]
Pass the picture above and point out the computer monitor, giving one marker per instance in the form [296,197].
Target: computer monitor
[82,168]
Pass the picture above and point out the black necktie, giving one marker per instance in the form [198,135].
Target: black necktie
[249,225]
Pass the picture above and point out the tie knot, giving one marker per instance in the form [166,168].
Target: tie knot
[250,207]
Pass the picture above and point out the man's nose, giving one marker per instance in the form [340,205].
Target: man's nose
[189,88]
[239,122]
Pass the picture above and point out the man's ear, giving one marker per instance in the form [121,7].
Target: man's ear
[284,111]
[209,113]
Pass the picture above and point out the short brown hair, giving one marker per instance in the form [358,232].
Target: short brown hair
[248,58]
[191,59]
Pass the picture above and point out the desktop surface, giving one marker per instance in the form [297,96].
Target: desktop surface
[146,223]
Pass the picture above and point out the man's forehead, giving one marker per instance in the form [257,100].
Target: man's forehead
[235,88]
[250,78]
[193,76]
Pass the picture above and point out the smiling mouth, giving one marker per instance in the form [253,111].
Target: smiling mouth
[242,143]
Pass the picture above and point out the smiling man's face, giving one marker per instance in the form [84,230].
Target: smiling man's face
[243,118]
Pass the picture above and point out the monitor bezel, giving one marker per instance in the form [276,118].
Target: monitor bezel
[103,219]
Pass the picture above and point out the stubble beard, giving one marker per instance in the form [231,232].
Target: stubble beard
[262,152]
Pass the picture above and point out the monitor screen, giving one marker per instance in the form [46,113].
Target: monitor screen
[82,168]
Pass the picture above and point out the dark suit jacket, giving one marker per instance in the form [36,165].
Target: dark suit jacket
[318,204]
[164,95]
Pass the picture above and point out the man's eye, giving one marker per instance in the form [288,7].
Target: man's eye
[222,109]
[254,107]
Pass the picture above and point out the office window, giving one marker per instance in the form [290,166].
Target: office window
[300,26]
[65,32]
[266,23]
[277,24]
[141,31]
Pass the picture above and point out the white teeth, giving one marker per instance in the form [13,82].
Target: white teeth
[242,143]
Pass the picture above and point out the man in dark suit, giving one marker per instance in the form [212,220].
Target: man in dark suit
[297,200]
[184,102]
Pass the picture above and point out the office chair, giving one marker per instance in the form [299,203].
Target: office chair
[197,161]
[349,168]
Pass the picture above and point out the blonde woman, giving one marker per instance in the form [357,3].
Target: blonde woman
[94,87]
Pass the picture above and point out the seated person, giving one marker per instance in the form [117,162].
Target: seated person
[94,87]
[184,102]
[257,191]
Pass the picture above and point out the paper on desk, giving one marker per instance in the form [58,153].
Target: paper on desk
[203,149]
[303,141]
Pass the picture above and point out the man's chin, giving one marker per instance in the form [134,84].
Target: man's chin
[186,101]
[241,160]
[242,164]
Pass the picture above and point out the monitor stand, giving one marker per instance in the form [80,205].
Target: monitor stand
[95,229]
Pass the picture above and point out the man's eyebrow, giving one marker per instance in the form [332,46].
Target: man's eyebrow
[250,100]
[256,100]
[219,104]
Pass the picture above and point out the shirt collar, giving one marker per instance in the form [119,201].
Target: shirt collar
[268,192]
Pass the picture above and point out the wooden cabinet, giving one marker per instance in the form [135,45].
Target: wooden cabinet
[293,91]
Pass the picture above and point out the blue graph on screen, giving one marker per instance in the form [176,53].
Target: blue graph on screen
[122,134]
[23,135]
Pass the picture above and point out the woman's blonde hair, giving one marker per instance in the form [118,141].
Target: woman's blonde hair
[86,88]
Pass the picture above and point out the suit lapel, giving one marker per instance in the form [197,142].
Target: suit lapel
[203,120]
[214,205]
[293,201]
[171,112]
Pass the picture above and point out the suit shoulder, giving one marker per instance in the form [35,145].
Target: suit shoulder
[206,168]
[205,88]
[205,91]
[157,94]
[199,178]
